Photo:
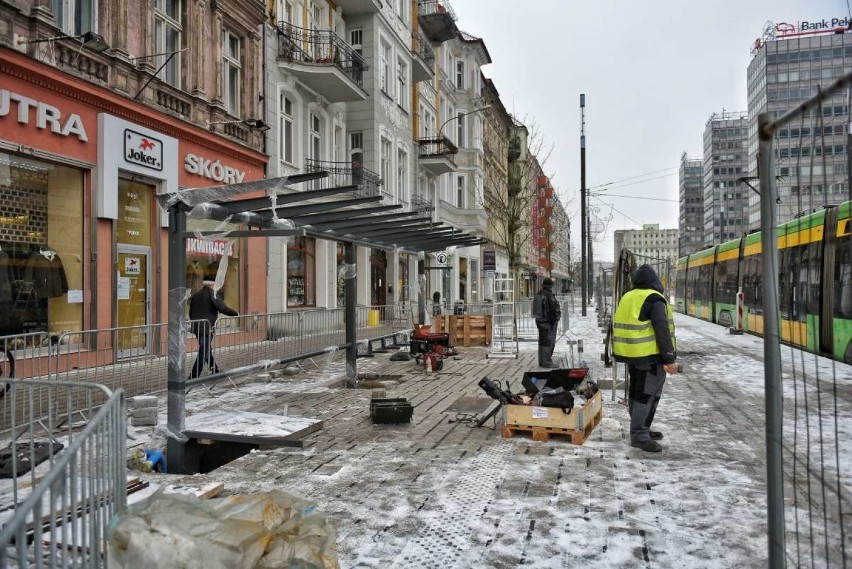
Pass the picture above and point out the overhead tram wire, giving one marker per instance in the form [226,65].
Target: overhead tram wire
[634,177]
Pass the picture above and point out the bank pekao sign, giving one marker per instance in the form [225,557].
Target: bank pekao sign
[144,150]
[809,27]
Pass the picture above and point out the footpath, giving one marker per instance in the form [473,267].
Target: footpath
[441,492]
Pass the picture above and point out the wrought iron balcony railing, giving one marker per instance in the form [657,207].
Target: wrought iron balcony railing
[421,203]
[320,47]
[437,148]
[345,174]
[422,48]
[427,7]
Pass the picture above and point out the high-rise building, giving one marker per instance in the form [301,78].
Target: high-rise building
[725,164]
[649,244]
[787,67]
[691,192]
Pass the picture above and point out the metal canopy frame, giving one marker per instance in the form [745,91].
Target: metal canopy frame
[285,212]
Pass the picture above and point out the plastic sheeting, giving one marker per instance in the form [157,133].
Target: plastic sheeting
[258,531]
[346,271]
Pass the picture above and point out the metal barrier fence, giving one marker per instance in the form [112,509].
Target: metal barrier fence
[135,358]
[67,482]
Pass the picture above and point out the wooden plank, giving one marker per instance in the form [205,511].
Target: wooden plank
[210,491]
[466,326]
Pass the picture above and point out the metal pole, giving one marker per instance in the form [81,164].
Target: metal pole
[771,345]
[175,450]
[583,268]
[421,291]
[351,316]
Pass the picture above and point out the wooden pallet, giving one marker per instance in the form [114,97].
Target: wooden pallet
[543,434]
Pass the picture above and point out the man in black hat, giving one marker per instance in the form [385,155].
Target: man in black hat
[547,314]
[204,309]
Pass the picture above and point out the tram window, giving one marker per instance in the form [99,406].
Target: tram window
[814,278]
[726,281]
[786,283]
[752,283]
[843,278]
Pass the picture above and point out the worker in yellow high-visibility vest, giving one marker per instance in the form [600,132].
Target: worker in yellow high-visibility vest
[643,337]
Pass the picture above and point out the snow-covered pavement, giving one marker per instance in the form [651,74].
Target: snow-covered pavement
[442,494]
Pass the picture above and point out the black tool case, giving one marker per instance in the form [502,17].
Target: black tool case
[390,410]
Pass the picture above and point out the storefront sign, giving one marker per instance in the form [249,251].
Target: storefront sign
[46,116]
[441,258]
[144,150]
[212,169]
[489,260]
[205,247]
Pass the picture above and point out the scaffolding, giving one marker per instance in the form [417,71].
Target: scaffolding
[504,337]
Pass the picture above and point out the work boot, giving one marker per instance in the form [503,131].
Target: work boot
[648,446]
[656,435]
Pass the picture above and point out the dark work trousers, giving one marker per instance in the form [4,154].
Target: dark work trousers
[546,341]
[646,387]
[205,356]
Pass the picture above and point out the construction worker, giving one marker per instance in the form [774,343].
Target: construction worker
[547,314]
[643,337]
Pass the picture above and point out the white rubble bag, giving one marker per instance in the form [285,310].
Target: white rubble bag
[256,531]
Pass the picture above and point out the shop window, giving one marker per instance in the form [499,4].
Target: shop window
[404,294]
[214,260]
[378,277]
[301,271]
[41,247]
[341,282]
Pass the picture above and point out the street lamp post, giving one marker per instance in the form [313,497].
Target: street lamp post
[458,116]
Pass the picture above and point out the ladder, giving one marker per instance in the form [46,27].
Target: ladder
[504,337]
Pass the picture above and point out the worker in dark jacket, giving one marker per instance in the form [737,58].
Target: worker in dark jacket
[547,315]
[204,309]
[643,337]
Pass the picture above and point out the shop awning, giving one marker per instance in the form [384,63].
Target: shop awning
[342,213]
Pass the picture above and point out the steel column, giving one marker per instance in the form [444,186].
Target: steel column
[351,315]
[175,450]
[771,345]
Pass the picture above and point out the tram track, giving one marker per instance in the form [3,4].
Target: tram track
[788,370]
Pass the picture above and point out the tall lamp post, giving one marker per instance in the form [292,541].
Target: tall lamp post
[584,272]
[458,116]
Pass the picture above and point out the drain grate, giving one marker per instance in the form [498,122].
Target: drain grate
[450,516]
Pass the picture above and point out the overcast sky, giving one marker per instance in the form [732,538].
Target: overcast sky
[652,72]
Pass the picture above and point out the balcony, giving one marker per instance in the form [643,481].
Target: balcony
[437,20]
[421,204]
[472,220]
[323,61]
[423,68]
[345,174]
[436,155]
[358,7]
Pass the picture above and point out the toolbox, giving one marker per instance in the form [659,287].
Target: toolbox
[390,410]
[567,379]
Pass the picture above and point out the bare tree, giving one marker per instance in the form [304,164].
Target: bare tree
[509,200]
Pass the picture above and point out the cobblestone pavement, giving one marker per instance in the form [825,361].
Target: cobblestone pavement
[439,493]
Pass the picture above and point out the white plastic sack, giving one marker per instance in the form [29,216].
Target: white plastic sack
[260,531]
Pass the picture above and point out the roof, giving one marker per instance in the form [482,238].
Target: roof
[341,213]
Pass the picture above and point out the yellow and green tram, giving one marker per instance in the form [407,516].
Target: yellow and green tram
[815,282]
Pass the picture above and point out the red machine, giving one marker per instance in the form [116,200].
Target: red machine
[430,347]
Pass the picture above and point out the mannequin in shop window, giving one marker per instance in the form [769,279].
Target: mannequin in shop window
[6,278]
[45,271]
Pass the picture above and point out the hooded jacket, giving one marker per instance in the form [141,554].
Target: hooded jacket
[655,309]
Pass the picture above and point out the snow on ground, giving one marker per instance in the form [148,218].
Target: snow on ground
[398,500]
